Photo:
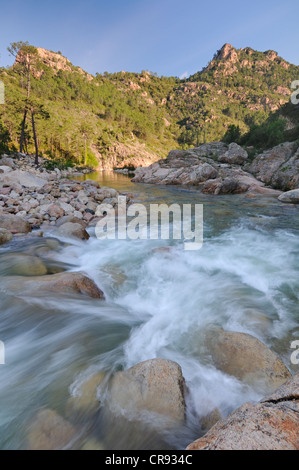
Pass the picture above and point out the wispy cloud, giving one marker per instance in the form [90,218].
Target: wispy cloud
[184,75]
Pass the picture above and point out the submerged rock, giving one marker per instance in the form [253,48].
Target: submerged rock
[5,236]
[49,431]
[21,264]
[85,400]
[271,424]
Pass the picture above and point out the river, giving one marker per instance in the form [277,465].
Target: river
[158,303]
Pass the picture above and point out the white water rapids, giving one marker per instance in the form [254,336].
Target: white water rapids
[158,304]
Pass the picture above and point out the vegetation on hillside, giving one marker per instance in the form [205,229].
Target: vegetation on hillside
[242,96]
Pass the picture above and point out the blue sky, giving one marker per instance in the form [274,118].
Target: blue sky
[170,37]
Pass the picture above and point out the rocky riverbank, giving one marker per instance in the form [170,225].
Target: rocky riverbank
[218,168]
[32,198]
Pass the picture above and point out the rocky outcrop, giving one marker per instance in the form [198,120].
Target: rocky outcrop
[246,358]
[156,385]
[125,155]
[217,168]
[277,167]
[271,424]
[213,167]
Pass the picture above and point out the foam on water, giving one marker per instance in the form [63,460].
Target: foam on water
[160,300]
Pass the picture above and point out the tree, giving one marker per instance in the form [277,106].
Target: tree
[36,109]
[233,134]
[85,131]
[25,54]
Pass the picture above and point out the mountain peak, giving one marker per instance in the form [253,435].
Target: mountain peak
[226,51]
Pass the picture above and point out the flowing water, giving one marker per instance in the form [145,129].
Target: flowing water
[158,304]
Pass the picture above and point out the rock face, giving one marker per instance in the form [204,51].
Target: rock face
[271,424]
[156,385]
[49,431]
[247,359]
[290,196]
[278,167]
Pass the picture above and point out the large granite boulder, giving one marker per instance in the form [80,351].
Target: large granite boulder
[271,424]
[246,358]
[156,385]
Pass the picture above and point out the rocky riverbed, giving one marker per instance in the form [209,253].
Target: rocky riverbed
[149,397]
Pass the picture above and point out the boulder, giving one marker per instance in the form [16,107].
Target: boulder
[5,236]
[6,161]
[246,358]
[290,196]
[72,230]
[5,169]
[68,283]
[71,219]
[55,211]
[156,385]
[235,155]
[271,424]
[90,182]
[49,431]
[82,197]
[24,178]
[14,223]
